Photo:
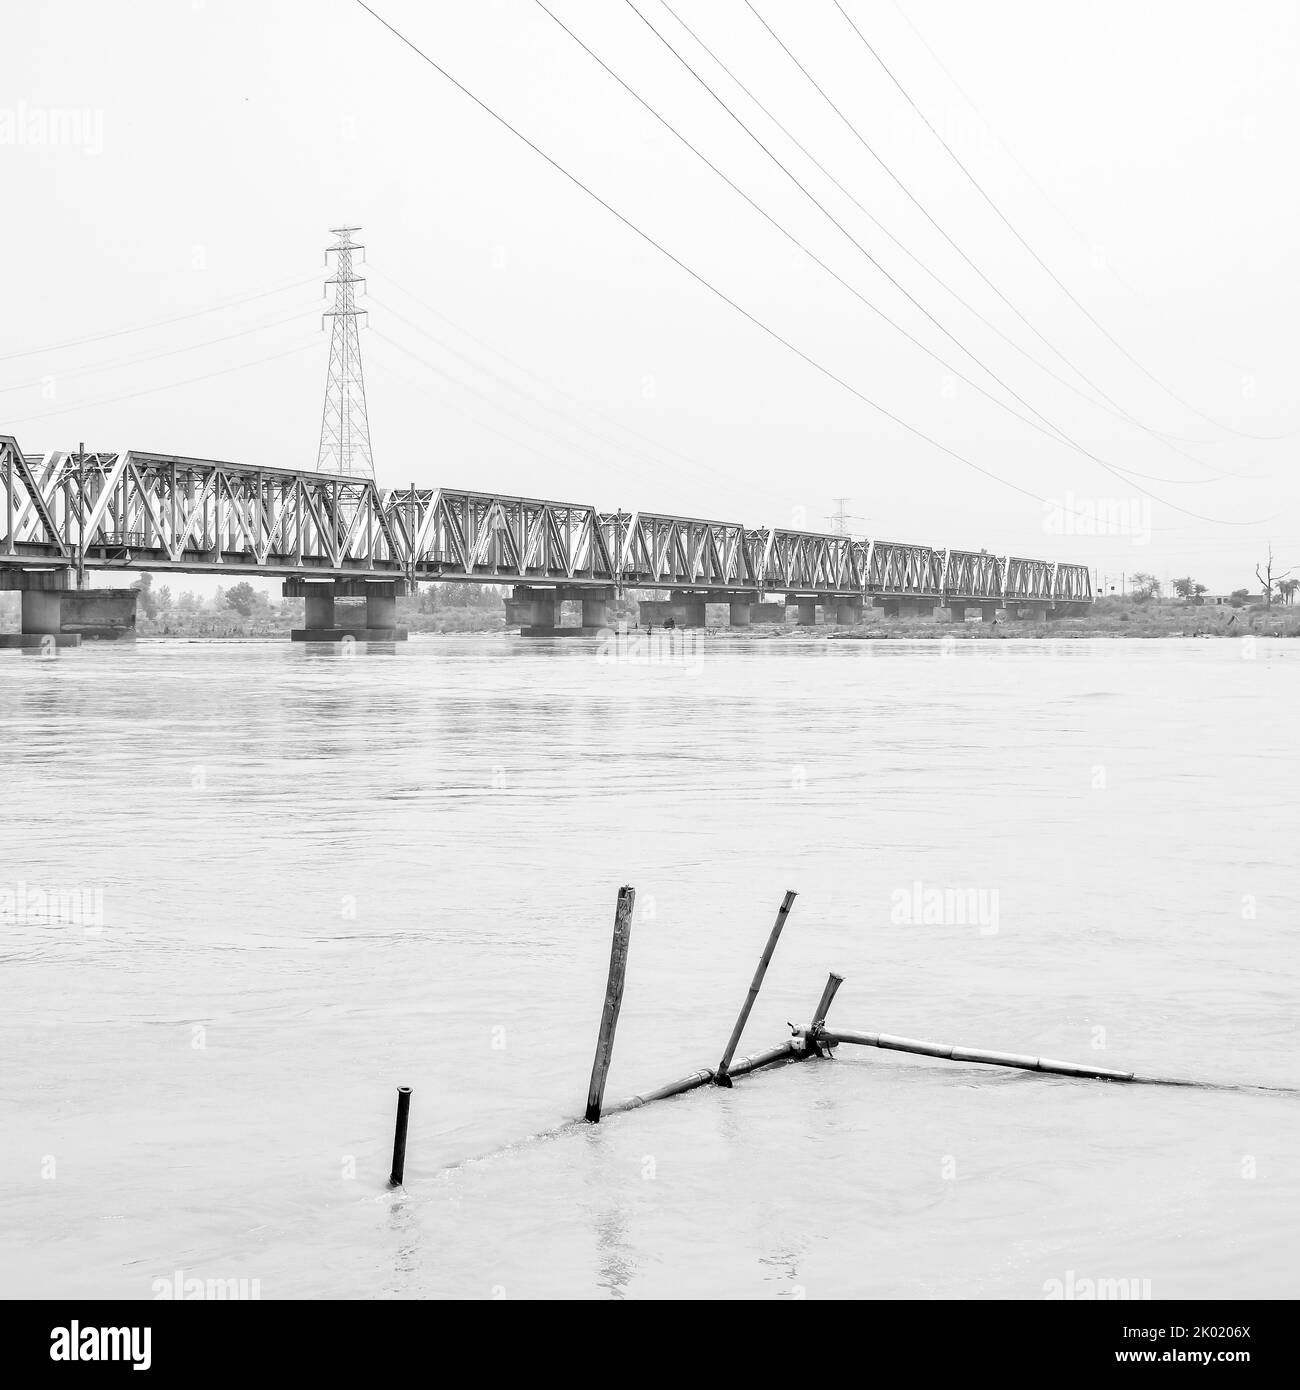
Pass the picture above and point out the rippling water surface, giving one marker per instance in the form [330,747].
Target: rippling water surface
[322,878]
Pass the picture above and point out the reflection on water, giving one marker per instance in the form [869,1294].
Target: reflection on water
[322,877]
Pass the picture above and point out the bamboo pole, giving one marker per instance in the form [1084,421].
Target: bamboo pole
[399,1137]
[964,1054]
[613,1002]
[724,1067]
[812,1034]
[742,1066]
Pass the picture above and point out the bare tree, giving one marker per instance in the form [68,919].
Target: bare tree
[1268,580]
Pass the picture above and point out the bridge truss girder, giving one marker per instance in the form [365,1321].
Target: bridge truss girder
[142,511]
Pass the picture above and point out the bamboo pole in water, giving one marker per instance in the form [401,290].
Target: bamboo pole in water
[783,1052]
[399,1137]
[613,1002]
[724,1067]
[963,1054]
[812,1035]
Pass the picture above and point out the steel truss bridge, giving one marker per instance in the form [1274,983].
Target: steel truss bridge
[139,511]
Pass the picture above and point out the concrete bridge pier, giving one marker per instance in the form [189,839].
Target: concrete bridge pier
[807,612]
[532,610]
[321,621]
[1030,611]
[55,614]
[381,606]
[989,612]
[595,609]
[848,611]
[741,613]
[318,601]
[767,612]
[688,608]
[957,611]
[904,607]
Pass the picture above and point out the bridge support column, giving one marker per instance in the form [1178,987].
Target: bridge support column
[534,610]
[318,600]
[957,611]
[741,613]
[989,612]
[1034,611]
[688,609]
[849,611]
[595,608]
[53,614]
[767,612]
[322,621]
[381,606]
[42,612]
[807,609]
[889,606]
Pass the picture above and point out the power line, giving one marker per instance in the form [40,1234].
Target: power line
[482,395]
[541,380]
[1056,280]
[156,323]
[1051,430]
[927,215]
[708,285]
[158,356]
[502,381]
[1079,234]
[164,386]
[1102,404]
[465,414]
[649,460]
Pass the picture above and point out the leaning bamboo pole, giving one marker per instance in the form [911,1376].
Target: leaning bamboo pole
[724,1066]
[950,1053]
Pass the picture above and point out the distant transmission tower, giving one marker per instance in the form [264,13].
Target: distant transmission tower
[840,518]
[344,426]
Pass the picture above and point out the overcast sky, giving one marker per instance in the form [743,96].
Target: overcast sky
[522,339]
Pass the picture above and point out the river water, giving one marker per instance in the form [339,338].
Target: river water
[247,890]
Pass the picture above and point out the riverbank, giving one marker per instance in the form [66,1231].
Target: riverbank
[1109,617]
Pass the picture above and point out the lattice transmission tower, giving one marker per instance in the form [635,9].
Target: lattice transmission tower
[344,426]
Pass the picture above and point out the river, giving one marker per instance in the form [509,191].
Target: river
[248,889]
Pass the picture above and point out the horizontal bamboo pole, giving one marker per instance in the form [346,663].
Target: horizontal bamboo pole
[964,1054]
[783,1052]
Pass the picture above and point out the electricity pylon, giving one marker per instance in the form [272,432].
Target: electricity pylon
[344,426]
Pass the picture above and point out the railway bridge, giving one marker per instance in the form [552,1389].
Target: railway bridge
[326,535]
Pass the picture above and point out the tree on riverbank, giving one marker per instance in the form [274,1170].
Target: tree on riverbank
[1145,587]
[1188,589]
[1268,580]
